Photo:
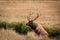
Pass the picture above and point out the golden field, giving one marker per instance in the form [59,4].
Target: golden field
[17,11]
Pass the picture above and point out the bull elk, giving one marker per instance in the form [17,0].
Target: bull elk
[38,28]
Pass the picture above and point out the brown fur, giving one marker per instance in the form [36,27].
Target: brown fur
[37,27]
[32,24]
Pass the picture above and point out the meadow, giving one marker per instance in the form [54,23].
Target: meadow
[13,11]
[22,29]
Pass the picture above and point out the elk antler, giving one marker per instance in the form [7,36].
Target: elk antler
[36,17]
[28,17]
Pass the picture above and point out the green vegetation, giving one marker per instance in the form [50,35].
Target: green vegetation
[19,27]
[22,28]
[52,28]
[3,25]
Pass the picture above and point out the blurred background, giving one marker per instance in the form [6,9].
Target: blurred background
[14,11]
[13,14]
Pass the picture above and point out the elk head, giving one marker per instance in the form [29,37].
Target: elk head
[31,22]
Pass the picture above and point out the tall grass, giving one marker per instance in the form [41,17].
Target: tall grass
[3,25]
[20,27]
[52,28]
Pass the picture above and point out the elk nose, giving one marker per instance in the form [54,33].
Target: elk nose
[26,24]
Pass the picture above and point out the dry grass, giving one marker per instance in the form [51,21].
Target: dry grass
[33,36]
[17,11]
[12,35]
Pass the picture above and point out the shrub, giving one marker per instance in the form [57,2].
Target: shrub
[22,28]
[52,28]
[13,24]
[53,32]
[3,25]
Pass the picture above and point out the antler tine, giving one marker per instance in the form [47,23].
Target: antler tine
[28,17]
[36,17]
